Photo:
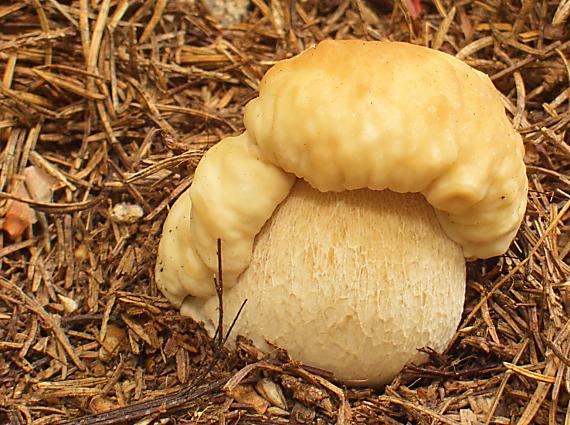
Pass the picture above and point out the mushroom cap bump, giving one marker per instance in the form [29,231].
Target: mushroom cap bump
[179,270]
[233,193]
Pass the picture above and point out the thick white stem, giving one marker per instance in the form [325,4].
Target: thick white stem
[351,282]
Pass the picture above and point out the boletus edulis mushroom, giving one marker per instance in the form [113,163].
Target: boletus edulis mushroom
[366,176]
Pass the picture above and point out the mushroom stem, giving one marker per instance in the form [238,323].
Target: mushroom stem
[353,282]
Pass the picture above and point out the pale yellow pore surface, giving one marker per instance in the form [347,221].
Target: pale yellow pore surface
[383,115]
[352,282]
[233,194]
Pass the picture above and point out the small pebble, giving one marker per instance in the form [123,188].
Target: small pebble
[111,343]
[272,392]
[246,394]
[69,304]
[100,404]
[126,213]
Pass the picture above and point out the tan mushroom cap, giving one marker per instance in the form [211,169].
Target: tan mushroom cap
[347,115]
[380,115]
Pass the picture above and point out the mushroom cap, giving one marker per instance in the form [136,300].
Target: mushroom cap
[387,115]
[346,115]
[352,282]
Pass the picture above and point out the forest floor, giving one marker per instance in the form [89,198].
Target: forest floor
[106,106]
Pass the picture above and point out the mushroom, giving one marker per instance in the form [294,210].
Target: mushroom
[368,172]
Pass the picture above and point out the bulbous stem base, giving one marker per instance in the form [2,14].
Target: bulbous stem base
[351,282]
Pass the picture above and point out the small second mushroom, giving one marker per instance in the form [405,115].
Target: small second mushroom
[367,173]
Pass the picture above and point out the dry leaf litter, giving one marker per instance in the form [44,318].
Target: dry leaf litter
[106,106]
